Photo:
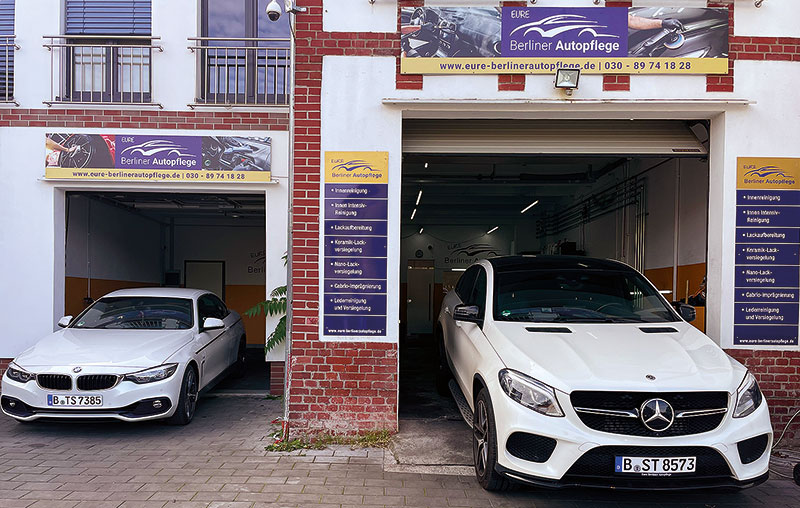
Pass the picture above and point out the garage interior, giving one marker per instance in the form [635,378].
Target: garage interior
[217,242]
[635,191]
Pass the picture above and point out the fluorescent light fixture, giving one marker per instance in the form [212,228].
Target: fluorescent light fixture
[530,206]
[419,196]
[413,214]
[567,79]
[665,291]
[458,269]
[426,165]
[492,230]
[421,230]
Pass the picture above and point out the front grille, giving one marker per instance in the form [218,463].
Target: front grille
[96,381]
[628,401]
[54,381]
[751,449]
[599,462]
[530,447]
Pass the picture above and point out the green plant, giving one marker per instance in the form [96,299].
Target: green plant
[275,306]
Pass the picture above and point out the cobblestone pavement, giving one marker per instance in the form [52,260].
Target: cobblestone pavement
[219,461]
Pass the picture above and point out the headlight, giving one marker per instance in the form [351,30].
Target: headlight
[19,374]
[154,374]
[530,393]
[748,397]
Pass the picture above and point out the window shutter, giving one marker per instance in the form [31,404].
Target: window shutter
[6,50]
[108,17]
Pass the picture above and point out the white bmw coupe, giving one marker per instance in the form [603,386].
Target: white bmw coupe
[576,371]
[133,355]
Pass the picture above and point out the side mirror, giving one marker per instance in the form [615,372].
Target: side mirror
[469,313]
[64,321]
[687,312]
[212,323]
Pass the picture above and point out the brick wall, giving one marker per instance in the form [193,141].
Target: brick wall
[778,374]
[4,365]
[144,119]
[277,372]
[340,387]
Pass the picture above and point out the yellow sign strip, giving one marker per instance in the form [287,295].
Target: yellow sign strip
[157,175]
[410,65]
[357,167]
[779,173]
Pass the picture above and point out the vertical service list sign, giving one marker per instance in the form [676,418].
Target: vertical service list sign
[767,252]
[354,234]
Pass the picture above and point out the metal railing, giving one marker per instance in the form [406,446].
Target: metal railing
[244,71]
[7,48]
[101,69]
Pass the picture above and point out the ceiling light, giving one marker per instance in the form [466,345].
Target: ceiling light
[530,206]
[419,196]
[426,165]
[492,230]
[413,214]
[458,269]
[567,79]
[421,230]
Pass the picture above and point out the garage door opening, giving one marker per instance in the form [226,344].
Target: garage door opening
[626,190]
[216,242]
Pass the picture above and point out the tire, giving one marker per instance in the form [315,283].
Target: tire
[187,402]
[443,373]
[240,367]
[92,152]
[484,445]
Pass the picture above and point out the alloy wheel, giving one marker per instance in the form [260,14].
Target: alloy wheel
[480,437]
[191,393]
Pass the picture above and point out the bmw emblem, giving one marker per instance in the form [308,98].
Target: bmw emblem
[76,370]
[657,415]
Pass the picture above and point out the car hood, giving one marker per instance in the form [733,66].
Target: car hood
[617,357]
[117,348]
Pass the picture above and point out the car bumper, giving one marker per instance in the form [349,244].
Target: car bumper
[585,457]
[126,401]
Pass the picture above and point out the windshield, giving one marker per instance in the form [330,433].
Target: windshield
[137,312]
[578,296]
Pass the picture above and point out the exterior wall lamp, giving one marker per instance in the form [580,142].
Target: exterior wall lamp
[567,80]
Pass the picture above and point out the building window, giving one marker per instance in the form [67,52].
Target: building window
[243,57]
[105,53]
[7,47]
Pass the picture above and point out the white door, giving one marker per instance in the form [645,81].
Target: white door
[208,275]
[215,344]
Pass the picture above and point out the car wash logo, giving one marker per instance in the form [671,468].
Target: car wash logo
[767,175]
[162,152]
[460,254]
[355,169]
[557,32]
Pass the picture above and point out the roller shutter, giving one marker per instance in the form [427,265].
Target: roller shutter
[585,137]
[108,17]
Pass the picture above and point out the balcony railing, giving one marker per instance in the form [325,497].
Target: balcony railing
[244,71]
[7,49]
[100,69]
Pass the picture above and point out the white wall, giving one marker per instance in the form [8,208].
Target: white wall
[105,242]
[239,247]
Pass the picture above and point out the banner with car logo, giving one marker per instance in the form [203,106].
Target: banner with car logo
[138,157]
[540,40]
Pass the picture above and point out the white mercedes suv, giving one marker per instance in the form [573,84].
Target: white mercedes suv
[577,372]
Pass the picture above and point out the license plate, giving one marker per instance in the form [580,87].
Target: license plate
[655,465]
[74,400]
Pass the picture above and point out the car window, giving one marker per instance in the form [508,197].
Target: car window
[222,310]
[478,294]
[578,295]
[207,307]
[465,283]
[137,312]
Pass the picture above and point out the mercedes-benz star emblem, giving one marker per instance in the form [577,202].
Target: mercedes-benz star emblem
[76,370]
[657,415]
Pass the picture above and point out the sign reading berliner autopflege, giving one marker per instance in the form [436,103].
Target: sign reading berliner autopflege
[540,40]
[767,277]
[353,248]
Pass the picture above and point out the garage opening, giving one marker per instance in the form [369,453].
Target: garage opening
[634,191]
[216,242]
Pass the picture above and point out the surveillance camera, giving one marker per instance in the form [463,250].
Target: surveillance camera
[273,10]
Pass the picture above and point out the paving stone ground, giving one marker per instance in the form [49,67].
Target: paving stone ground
[219,461]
